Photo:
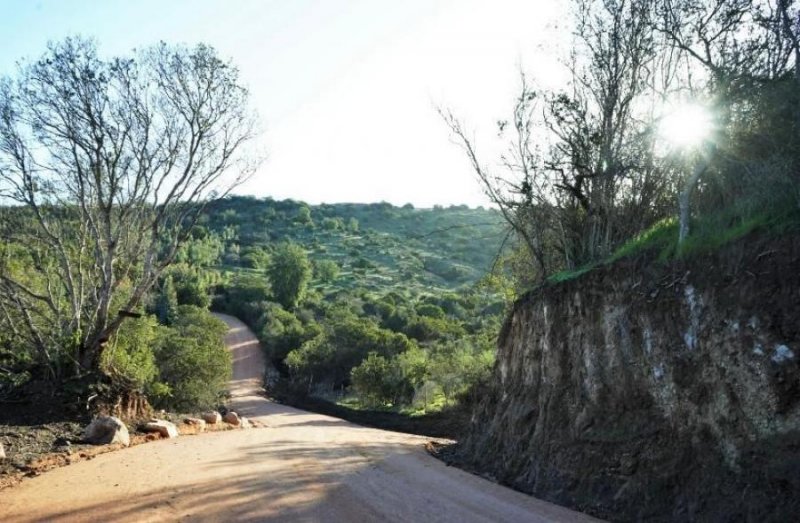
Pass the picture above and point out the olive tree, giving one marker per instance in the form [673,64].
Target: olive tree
[289,274]
[105,164]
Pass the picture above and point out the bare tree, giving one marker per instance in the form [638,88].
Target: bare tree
[106,164]
[579,176]
[524,193]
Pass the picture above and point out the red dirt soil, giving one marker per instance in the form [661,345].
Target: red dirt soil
[301,466]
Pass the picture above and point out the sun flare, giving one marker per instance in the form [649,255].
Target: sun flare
[686,126]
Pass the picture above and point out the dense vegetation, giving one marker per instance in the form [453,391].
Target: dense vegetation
[384,306]
[373,305]
[105,163]
[113,176]
[678,129]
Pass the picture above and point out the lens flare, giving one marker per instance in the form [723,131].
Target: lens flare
[686,126]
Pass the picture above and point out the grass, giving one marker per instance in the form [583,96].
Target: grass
[437,403]
[708,233]
[663,235]
[563,276]
[450,422]
[714,232]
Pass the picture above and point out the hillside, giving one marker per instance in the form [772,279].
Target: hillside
[376,246]
[367,305]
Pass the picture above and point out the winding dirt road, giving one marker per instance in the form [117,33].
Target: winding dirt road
[301,467]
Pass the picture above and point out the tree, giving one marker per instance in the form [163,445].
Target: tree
[585,170]
[193,362]
[374,380]
[289,273]
[326,270]
[167,303]
[110,162]
[579,167]
[304,216]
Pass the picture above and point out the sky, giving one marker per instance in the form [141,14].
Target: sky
[346,91]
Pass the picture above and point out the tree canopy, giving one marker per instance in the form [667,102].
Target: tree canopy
[107,162]
[289,273]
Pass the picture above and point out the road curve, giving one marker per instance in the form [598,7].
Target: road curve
[300,467]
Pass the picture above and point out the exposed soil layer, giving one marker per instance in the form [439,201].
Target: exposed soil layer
[651,391]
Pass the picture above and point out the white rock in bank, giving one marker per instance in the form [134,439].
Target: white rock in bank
[104,430]
[165,428]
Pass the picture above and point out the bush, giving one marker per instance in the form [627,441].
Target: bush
[242,298]
[344,343]
[374,380]
[430,310]
[326,270]
[282,331]
[255,258]
[129,359]
[425,328]
[192,360]
[190,287]
[289,273]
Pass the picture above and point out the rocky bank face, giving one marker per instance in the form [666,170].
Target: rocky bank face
[646,391]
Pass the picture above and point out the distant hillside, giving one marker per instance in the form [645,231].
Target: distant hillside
[375,246]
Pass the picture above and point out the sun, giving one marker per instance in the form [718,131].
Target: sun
[686,125]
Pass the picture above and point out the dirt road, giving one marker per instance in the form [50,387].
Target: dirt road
[301,467]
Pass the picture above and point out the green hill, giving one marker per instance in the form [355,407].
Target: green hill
[375,246]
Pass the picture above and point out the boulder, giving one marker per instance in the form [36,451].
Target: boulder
[2,452]
[165,428]
[104,430]
[198,423]
[245,423]
[232,418]
[212,417]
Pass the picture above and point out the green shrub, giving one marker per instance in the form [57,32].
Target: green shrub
[192,360]
[289,274]
[282,331]
[129,358]
[430,310]
[344,343]
[191,287]
[375,380]
[326,271]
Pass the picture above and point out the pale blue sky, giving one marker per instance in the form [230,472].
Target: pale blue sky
[345,89]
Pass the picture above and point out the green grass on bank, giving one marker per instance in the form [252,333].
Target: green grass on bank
[707,234]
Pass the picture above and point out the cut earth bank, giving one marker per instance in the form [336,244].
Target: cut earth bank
[653,391]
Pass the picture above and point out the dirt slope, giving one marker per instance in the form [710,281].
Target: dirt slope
[301,467]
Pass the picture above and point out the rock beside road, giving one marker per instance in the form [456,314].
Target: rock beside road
[2,452]
[163,427]
[232,418]
[104,430]
[212,417]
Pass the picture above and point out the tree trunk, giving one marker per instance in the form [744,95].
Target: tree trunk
[684,198]
[124,404]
